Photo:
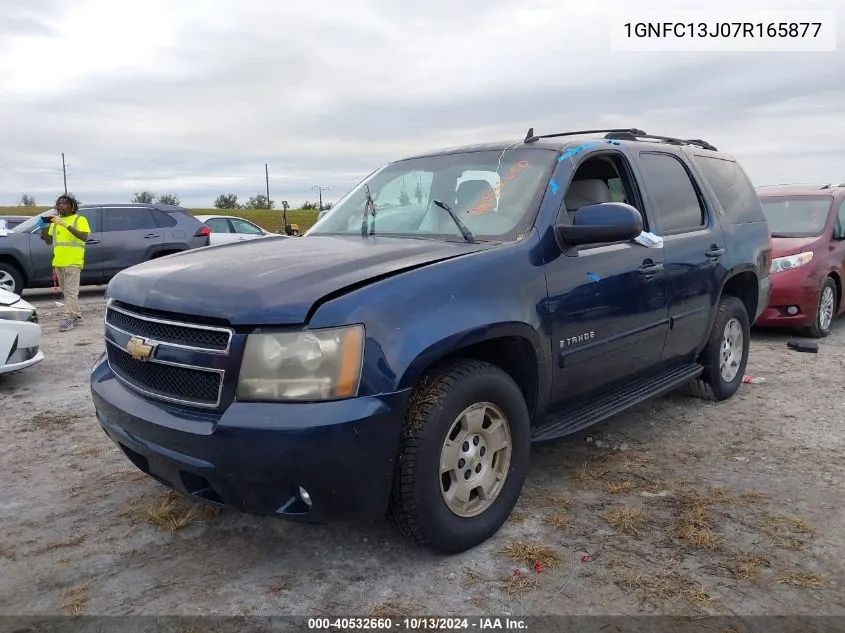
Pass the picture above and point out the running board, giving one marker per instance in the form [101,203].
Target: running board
[601,407]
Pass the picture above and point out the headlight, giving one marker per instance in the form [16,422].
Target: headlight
[311,365]
[780,264]
[11,313]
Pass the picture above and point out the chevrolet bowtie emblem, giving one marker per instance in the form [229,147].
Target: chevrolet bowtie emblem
[139,349]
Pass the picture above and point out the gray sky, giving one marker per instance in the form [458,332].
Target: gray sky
[194,97]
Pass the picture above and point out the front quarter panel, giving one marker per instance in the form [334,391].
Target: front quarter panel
[415,318]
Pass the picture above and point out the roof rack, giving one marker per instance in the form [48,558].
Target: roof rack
[629,134]
[530,137]
[635,135]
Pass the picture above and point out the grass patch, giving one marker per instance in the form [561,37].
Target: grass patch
[564,503]
[627,520]
[529,554]
[784,531]
[75,600]
[519,585]
[694,521]
[46,421]
[659,587]
[517,517]
[802,580]
[73,541]
[171,512]
[472,578]
[393,610]
[558,521]
[619,487]
[746,566]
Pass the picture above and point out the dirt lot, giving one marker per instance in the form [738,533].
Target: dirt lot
[680,507]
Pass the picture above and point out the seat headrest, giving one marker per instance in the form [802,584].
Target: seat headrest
[585,192]
[471,192]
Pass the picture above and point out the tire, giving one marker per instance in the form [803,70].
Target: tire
[731,320]
[10,278]
[826,310]
[418,506]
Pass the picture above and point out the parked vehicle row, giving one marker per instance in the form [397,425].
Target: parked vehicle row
[122,235]
[405,354]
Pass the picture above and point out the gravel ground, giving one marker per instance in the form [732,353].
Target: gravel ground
[679,507]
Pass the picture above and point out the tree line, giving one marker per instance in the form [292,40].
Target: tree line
[223,201]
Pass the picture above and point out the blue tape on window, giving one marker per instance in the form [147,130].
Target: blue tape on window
[594,276]
[554,187]
[572,151]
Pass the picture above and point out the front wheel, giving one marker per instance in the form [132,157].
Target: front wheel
[726,354]
[826,311]
[463,458]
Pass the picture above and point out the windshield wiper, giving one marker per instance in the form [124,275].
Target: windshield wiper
[468,236]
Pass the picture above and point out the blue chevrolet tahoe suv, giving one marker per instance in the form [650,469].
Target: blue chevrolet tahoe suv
[452,309]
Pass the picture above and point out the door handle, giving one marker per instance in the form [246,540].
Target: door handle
[649,269]
[715,252]
[92,241]
[150,235]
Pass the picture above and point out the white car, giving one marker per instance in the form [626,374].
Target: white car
[20,334]
[226,229]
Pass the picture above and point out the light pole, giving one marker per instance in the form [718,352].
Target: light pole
[320,188]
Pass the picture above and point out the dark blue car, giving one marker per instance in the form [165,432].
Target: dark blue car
[449,311]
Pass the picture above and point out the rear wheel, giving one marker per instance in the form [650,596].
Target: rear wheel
[726,353]
[11,279]
[463,458]
[826,311]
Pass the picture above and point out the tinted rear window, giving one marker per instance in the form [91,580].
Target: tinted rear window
[732,188]
[798,216]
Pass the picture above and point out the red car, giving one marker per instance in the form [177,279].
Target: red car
[808,250]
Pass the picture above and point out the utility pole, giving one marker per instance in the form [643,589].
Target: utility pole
[267,180]
[64,172]
[319,188]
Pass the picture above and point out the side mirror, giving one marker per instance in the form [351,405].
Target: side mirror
[600,223]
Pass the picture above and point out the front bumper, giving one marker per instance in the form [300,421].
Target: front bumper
[255,456]
[20,345]
[799,288]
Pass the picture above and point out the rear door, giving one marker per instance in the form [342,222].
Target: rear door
[221,231]
[130,235]
[694,248]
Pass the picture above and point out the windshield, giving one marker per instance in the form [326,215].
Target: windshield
[31,223]
[495,196]
[802,216]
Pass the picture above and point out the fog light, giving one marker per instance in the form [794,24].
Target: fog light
[303,493]
[792,310]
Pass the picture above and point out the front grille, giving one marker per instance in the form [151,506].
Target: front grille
[199,337]
[179,384]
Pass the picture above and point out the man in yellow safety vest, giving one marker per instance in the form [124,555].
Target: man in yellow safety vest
[67,233]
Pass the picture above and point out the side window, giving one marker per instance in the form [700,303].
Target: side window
[219,225]
[242,226]
[163,220]
[732,188]
[603,178]
[128,219]
[674,195]
[93,217]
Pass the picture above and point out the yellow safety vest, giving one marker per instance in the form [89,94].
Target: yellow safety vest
[69,250]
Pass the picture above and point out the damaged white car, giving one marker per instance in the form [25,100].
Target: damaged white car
[20,334]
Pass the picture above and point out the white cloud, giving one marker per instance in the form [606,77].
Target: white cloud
[194,97]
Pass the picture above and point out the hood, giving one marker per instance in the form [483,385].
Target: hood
[8,298]
[272,280]
[784,246]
